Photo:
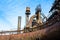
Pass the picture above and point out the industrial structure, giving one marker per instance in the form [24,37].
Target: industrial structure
[27,15]
[19,24]
[36,28]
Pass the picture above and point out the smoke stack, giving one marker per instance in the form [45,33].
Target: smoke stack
[19,23]
[27,14]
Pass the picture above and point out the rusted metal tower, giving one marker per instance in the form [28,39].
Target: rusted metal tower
[38,14]
[27,15]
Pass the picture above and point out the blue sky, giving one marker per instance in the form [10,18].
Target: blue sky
[11,9]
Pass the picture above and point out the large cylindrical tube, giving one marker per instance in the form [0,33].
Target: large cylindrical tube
[19,23]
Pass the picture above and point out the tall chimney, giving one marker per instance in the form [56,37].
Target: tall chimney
[27,14]
[19,24]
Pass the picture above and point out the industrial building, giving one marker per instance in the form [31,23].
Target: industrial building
[35,28]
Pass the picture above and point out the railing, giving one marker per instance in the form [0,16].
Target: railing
[10,32]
